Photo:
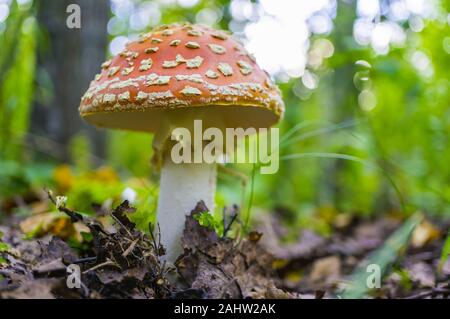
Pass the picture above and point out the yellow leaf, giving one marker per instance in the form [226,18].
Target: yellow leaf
[424,233]
[279,263]
[342,220]
[48,223]
[105,174]
[63,177]
[293,277]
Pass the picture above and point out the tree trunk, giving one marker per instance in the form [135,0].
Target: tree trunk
[68,60]
[342,102]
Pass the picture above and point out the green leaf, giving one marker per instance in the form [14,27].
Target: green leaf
[205,219]
[142,217]
[86,236]
[445,252]
[384,257]
[4,247]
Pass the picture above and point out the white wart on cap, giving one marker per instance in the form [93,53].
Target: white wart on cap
[180,67]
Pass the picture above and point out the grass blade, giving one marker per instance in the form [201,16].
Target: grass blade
[250,198]
[350,158]
[445,252]
[298,127]
[384,257]
[332,128]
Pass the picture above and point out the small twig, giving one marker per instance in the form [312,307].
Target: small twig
[425,256]
[74,216]
[121,225]
[226,230]
[234,216]
[85,260]
[156,245]
[433,292]
[106,263]
[224,218]
[159,235]
[85,290]
[130,248]
[152,236]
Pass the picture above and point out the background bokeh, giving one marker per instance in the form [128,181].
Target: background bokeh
[366,87]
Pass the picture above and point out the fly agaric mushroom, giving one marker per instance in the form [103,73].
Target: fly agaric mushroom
[167,79]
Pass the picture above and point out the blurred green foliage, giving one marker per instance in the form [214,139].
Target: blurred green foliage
[17,67]
[373,136]
[403,142]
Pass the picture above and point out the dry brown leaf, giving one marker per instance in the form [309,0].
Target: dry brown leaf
[39,207]
[36,289]
[342,220]
[423,274]
[325,272]
[446,268]
[48,223]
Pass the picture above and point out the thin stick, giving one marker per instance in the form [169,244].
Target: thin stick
[106,263]
[130,248]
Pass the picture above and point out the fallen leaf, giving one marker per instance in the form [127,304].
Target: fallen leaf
[342,220]
[424,233]
[254,236]
[63,177]
[47,223]
[308,245]
[120,214]
[35,289]
[422,273]
[446,267]
[195,236]
[223,268]
[325,272]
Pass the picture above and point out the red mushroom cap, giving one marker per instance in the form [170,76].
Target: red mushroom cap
[181,68]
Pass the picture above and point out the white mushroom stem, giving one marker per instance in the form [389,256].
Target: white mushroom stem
[182,186]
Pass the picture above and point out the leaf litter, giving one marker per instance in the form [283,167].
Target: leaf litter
[120,261]
[123,262]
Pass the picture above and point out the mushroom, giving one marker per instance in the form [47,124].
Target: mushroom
[167,79]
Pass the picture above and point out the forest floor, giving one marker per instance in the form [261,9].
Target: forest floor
[119,261]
